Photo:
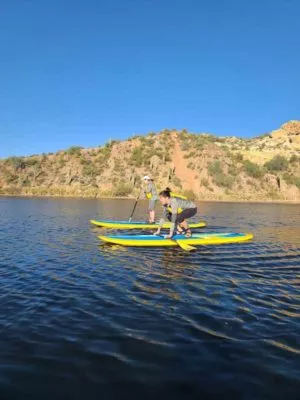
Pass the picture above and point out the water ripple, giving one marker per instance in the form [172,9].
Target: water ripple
[78,317]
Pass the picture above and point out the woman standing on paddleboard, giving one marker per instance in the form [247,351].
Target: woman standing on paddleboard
[177,210]
[151,194]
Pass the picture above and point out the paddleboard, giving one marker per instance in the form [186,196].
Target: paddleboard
[138,224]
[194,240]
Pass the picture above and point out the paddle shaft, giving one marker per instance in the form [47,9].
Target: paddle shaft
[136,201]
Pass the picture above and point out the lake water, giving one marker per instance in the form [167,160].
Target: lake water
[79,320]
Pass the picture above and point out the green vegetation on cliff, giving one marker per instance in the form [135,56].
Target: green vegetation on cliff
[203,165]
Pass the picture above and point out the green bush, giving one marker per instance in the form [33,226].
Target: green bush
[199,146]
[204,182]
[15,162]
[232,170]
[61,162]
[294,159]
[10,178]
[238,157]
[190,194]
[292,179]
[220,179]
[185,146]
[252,169]
[189,155]
[29,162]
[177,182]
[83,161]
[74,150]
[89,170]
[278,163]
[168,157]
[215,167]
[137,156]
[123,190]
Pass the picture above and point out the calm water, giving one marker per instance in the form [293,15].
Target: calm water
[83,321]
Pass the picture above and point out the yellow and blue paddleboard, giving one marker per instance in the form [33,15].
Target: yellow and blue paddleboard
[137,224]
[196,239]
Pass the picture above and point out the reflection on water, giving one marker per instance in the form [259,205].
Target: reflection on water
[79,318]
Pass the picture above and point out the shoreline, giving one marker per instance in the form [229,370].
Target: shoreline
[29,196]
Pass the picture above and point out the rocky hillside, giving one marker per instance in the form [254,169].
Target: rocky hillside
[202,165]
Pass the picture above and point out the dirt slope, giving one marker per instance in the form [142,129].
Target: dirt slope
[202,165]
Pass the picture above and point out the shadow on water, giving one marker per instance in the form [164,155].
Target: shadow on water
[79,318]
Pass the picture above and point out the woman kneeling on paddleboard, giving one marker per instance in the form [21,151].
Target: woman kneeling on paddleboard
[176,210]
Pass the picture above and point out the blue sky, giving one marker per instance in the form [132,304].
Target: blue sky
[78,72]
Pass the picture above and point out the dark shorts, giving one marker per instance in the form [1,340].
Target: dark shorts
[188,213]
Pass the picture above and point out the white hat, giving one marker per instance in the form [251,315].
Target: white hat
[146,178]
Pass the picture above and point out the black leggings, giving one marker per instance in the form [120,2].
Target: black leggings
[187,213]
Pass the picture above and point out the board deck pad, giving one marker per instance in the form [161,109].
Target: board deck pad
[138,224]
[195,239]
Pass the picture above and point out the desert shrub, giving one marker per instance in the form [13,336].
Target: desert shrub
[137,156]
[177,182]
[292,179]
[191,166]
[232,170]
[204,182]
[89,170]
[29,162]
[10,178]
[190,194]
[273,195]
[225,147]
[294,159]
[150,142]
[278,163]
[26,182]
[220,179]
[211,138]
[61,162]
[105,151]
[215,167]
[83,161]
[238,157]
[118,166]
[252,169]
[15,162]
[74,150]
[199,146]
[190,155]
[113,142]
[185,146]
[168,157]
[122,190]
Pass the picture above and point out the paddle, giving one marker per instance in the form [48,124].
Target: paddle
[136,201]
[184,246]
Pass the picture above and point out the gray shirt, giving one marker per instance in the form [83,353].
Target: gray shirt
[176,204]
[151,189]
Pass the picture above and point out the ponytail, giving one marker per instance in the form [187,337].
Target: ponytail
[166,192]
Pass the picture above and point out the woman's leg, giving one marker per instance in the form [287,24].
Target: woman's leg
[151,210]
[152,216]
[182,220]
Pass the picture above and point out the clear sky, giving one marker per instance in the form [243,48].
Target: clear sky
[78,72]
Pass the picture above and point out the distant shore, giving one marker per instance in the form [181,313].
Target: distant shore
[57,196]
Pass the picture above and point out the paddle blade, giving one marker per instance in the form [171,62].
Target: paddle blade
[185,246]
